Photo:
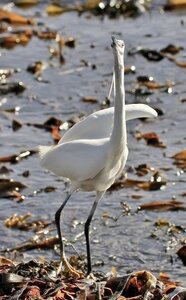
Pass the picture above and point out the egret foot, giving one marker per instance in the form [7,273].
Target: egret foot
[91,276]
[68,269]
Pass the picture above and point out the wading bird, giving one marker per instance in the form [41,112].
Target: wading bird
[93,153]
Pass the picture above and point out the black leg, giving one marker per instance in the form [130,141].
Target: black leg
[57,220]
[87,225]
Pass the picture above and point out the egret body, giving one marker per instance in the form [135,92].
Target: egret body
[93,153]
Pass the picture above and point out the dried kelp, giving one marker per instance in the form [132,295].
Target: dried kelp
[89,99]
[149,54]
[172,49]
[15,158]
[39,280]
[54,126]
[127,8]
[55,8]
[13,18]
[163,205]
[48,124]
[36,69]
[45,34]
[6,73]
[180,159]
[11,87]
[39,241]
[168,52]
[143,169]
[172,232]
[22,222]
[113,9]
[11,40]
[151,139]
[10,188]
[26,3]
[155,183]
[151,84]
[175,4]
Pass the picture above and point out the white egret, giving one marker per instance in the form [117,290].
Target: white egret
[92,156]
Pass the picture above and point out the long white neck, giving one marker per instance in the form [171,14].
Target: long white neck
[119,136]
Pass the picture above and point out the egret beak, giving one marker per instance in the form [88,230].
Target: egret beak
[114,41]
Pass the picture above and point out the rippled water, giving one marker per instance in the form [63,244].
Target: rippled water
[126,243]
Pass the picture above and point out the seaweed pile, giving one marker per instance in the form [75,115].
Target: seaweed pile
[38,280]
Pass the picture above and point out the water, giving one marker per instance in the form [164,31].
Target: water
[127,243]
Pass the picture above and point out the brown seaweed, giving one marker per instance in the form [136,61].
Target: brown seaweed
[155,183]
[151,139]
[39,280]
[11,189]
[15,158]
[22,222]
[180,159]
[13,18]
[163,205]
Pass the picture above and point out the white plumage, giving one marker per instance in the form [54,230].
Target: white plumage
[94,151]
[100,123]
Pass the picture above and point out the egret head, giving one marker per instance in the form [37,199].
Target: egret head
[118,46]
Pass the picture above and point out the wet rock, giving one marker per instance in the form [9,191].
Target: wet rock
[5,170]
[70,42]
[12,87]
[16,125]
[182,254]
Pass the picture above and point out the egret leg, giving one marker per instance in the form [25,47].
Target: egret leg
[64,261]
[99,195]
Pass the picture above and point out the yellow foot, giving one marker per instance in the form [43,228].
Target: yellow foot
[91,276]
[68,269]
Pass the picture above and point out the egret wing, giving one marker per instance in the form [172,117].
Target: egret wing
[95,126]
[139,110]
[77,160]
[99,124]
